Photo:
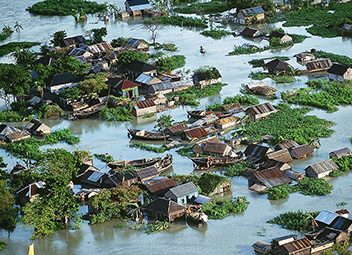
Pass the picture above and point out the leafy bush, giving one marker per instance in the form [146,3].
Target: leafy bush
[50,111]
[211,7]
[129,56]
[215,33]
[13,46]
[334,57]
[2,245]
[221,208]
[10,116]
[167,47]
[279,192]
[208,182]
[247,49]
[147,147]
[277,78]
[120,113]
[119,42]
[167,64]
[65,7]
[314,187]
[261,61]
[299,221]
[106,158]
[6,32]
[344,163]
[157,226]
[236,169]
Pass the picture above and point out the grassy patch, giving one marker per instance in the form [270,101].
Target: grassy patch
[167,47]
[279,192]
[65,7]
[334,57]
[186,152]
[299,220]
[221,208]
[178,21]
[211,7]
[277,78]
[215,33]
[116,114]
[288,124]
[322,94]
[13,46]
[105,157]
[10,116]
[147,147]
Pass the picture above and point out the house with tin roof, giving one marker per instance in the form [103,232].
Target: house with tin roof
[63,81]
[137,7]
[35,127]
[137,44]
[12,134]
[340,72]
[123,87]
[301,151]
[182,194]
[321,169]
[144,107]
[158,186]
[267,178]
[318,65]
[260,111]
[251,15]
[278,67]
[74,41]
[340,153]
[164,209]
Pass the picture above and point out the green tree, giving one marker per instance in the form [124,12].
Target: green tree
[93,84]
[164,121]
[8,211]
[98,34]
[25,57]
[129,56]
[167,64]
[58,38]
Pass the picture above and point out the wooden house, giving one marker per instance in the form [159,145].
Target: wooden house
[93,178]
[29,193]
[35,127]
[137,7]
[228,122]
[195,133]
[257,153]
[63,81]
[146,173]
[250,32]
[321,169]
[319,65]
[277,67]
[340,153]
[123,87]
[11,134]
[340,72]
[219,149]
[144,107]
[250,15]
[260,111]
[74,41]
[164,209]
[137,44]
[301,151]
[206,77]
[267,178]
[297,247]
[304,57]
[158,186]
[282,156]
[270,163]
[136,68]
[182,194]
[176,129]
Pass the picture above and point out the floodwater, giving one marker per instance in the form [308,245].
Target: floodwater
[233,235]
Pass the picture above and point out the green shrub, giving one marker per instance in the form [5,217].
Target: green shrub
[147,147]
[277,78]
[167,64]
[120,113]
[299,220]
[157,226]
[13,46]
[314,187]
[105,157]
[279,192]
[215,33]
[221,208]
[50,111]
[236,169]
[10,116]
[208,182]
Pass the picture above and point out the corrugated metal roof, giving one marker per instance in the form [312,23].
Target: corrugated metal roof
[164,206]
[147,173]
[146,79]
[301,151]
[288,144]
[297,245]
[341,223]
[260,109]
[323,166]
[197,132]
[326,217]
[228,120]
[280,156]
[256,152]
[183,190]
[100,47]
[252,11]
[319,64]
[341,152]
[159,184]
[216,148]
[145,103]
[272,177]
[176,128]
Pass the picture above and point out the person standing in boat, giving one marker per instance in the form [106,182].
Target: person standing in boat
[202,50]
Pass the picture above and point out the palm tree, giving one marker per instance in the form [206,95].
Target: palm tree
[17,27]
[24,57]
[7,30]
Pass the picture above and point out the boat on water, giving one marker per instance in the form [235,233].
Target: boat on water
[262,247]
[89,111]
[209,162]
[164,164]
[137,163]
[198,114]
[147,135]
[196,216]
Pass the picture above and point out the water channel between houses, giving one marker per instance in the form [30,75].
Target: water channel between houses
[234,234]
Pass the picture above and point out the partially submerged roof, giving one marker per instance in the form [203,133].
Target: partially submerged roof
[272,177]
[338,69]
[134,42]
[68,41]
[216,148]
[160,184]
[341,223]
[319,64]
[288,144]
[301,151]
[323,167]
[341,152]
[147,79]
[283,156]
[140,67]
[183,190]
[147,173]
[164,206]
[260,109]
[256,152]
[297,245]
[147,103]
[176,128]
[278,65]
[249,32]
[197,132]
[252,11]
[100,47]
[326,217]
[64,78]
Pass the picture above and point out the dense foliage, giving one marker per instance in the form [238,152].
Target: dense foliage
[13,46]
[236,169]
[148,147]
[215,33]
[120,113]
[157,226]
[299,220]
[261,61]
[167,64]
[65,7]
[178,21]
[5,33]
[8,211]
[291,124]
[344,60]
[277,78]
[221,208]
[105,157]
[279,192]
[209,182]
[129,56]
[241,99]
[314,187]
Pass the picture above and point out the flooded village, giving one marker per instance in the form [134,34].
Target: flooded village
[204,127]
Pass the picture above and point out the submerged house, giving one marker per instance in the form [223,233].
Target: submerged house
[136,68]
[321,169]
[11,134]
[100,48]
[325,218]
[35,127]
[206,77]
[30,192]
[340,153]
[164,209]
[265,179]
[297,247]
[288,144]
[304,57]
[123,87]
[227,122]
[74,41]
[260,111]
[80,54]
[340,72]
[250,32]
[146,173]
[137,7]
[176,129]
[158,186]
[251,15]
[147,80]
[319,65]
[182,194]
[195,133]
[144,107]
[282,156]
[302,151]
[277,67]
[257,153]
[63,81]
[283,37]
[137,44]
[168,87]
[219,149]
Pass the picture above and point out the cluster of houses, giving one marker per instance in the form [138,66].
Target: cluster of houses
[330,228]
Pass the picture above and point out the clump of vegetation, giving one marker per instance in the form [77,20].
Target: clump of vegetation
[105,157]
[50,111]
[6,32]
[344,60]
[65,7]
[167,47]
[10,116]
[261,61]
[279,192]
[208,182]
[177,21]
[157,226]
[207,73]
[215,33]
[314,187]
[344,163]
[241,99]
[299,220]
[120,113]
[13,46]
[289,124]
[322,93]
[128,56]
[186,151]
[148,147]
[277,78]
[236,169]
[167,64]
[221,208]
[211,7]
[119,42]
[184,178]
[247,49]
[2,245]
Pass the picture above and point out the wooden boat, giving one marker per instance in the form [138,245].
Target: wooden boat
[262,247]
[164,164]
[196,216]
[208,162]
[89,111]
[137,163]
[146,135]
[198,114]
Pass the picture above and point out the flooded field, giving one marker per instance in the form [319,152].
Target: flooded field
[234,234]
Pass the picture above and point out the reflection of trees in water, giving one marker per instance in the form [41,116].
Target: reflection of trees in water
[103,232]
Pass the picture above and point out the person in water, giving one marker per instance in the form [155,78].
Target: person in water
[202,50]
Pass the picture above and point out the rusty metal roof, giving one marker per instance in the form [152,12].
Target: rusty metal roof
[301,151]
[272,177]
[216,148]
[323,166]
[297,245]
[156,185]
[197,132]
[164,206]
[288,144]
[176,128]
[341,152]
[283,156]
[260,109]
[145,103]
[319,64]
[147,173]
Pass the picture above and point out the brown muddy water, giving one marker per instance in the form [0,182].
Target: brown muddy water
[234,234]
